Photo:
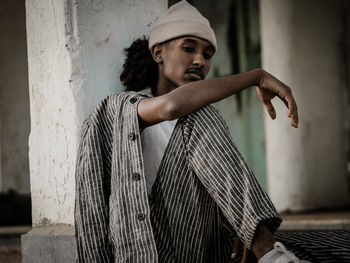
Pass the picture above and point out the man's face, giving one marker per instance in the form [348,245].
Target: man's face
[186,59]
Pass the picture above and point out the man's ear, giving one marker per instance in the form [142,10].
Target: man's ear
[157,53]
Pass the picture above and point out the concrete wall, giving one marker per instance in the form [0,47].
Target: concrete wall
[306,167]
[75,57]
[14,98]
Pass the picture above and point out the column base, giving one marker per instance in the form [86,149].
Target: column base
[49,244]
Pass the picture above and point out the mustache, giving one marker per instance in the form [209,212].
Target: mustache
[197,71]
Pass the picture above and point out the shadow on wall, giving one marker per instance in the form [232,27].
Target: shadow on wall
[15,209]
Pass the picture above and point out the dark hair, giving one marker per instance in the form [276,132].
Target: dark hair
[139,68]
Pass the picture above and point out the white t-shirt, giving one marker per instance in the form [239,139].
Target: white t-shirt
[154,140]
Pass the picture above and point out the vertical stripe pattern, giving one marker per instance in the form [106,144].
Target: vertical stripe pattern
[203,182]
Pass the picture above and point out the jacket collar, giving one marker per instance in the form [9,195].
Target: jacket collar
[146,92]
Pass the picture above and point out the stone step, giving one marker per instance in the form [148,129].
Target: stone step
[316,221]
[10,243]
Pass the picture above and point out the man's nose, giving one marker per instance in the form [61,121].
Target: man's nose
[199,60]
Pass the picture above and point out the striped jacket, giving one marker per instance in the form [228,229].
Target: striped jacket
[204,194]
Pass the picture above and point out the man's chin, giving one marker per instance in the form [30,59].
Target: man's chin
[191,80]
[188,80]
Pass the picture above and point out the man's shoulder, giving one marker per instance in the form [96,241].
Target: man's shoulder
[146,92]
[115,103]
[128,96]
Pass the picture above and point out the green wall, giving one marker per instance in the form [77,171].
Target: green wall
[236,25]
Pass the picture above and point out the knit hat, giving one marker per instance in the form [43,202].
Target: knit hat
[182,19]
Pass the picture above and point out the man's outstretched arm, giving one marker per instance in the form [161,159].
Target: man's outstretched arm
[194,95]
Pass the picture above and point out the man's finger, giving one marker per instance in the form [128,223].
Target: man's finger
[295,117]
[284,99]
[236,245]
[270,109]
[295,120]
[291,105]
[245,255]
[293,111]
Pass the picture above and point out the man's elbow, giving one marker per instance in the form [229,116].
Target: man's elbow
[170,110]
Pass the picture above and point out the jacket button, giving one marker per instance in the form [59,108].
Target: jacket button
[141,216]
[133,100]
[136,176]
[131,136]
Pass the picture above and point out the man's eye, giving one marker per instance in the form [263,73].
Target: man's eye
[188,49]
[207,56]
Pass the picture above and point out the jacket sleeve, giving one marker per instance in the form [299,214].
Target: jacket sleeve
[215,159]
[91,201]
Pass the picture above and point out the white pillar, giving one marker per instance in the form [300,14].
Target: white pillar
[75,54]
[306,167]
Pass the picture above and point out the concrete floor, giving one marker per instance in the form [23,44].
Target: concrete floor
[10,237]
[10,243]
[10,254]
[327,220]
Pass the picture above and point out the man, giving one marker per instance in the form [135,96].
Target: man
[203,193]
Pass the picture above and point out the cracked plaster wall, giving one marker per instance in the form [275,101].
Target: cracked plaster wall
[75,54]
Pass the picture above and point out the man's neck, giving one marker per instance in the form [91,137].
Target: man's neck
[164,86]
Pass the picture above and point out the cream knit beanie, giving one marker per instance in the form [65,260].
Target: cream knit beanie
[182,19]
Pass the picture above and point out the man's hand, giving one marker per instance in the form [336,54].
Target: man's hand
[247,257]
[268,88]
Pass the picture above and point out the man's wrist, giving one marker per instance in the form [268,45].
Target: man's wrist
[258,76]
